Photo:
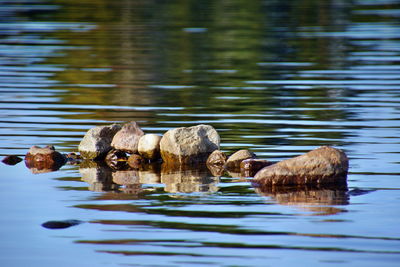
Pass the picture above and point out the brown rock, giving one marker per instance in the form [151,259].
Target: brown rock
[45,159]
[324,165]
[11,160]
[249,167]
[136,161]
[236,158]
[127,139]
[149,146]
[217,157]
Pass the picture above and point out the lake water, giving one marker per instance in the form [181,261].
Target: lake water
[277,77]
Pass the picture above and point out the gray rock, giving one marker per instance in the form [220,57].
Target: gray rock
[189,145]
[236,158]
[324,165]
[127,139]
[97,141]
[149,146]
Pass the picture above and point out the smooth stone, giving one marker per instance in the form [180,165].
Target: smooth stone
[97,141]
[60,224]
[11,160]
[188,145]
[324,165]
[149,146]
[44,159]
[249,167]
[127,139]
[233,162]
[217,157]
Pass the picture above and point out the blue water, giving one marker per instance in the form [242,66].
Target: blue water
[276,78]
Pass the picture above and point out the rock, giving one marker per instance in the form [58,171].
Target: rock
[11,160]
[324,165]
[60,224]
[46,159]
[127,139]
[217,157]
[135,161]
[188,145]
[249,167]
[236,158]
[149,146]
[97,141]
[116,159]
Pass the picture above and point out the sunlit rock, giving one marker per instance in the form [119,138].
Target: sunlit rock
[233,162]
[249,167]
[11,160]
[217,157]
[186,180]
[324,165]
[97,141]
[127,139]
[318,199]
[149,146]
[189,145]
[46,159]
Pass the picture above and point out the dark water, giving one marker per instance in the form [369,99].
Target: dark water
[277,77]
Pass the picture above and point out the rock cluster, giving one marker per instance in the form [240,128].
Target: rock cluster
[127,148]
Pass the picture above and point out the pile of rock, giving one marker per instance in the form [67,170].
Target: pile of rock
[127,147]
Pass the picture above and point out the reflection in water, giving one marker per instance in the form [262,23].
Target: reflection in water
[101,178]
[317,199]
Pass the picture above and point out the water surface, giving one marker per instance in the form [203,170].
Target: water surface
[278,78]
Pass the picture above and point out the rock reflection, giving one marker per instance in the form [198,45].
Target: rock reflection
[320,200]
[188,180]
[102,178]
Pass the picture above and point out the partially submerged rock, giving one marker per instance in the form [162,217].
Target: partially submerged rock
[324,165]
[249,167]
[44,159]
[135,161]
[188,145]
[97,141]
[233,162]
[149,146]
[217,157]
[127,139]
[11,160]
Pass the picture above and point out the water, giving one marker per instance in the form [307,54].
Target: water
[278,78]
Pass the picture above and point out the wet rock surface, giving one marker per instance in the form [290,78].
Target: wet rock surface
[249,167]
[97,141]
[61,224]
[44,159]
[324,165]
[233,162]
[127,139]
[188,145]
[217,157]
